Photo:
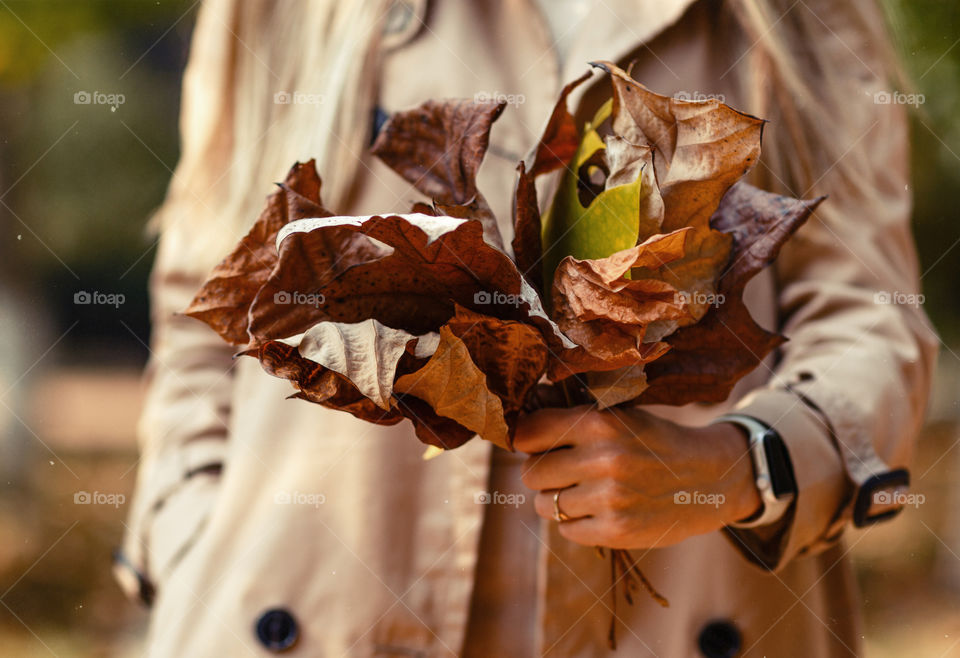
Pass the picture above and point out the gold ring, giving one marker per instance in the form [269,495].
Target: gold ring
[558,514]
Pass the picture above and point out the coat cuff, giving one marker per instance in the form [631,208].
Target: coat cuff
[162,534]
[822,486]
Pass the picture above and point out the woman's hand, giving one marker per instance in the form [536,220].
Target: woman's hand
[632,480]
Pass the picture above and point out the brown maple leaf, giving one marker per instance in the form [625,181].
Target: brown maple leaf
[701,148]
[319,385]
[708,358]
[554,151]
[226,295]
[455,388]
[438,147]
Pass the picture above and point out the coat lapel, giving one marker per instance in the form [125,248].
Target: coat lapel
[615,28]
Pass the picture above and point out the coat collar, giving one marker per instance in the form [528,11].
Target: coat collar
[617,28]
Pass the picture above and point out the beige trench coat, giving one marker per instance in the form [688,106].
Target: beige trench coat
[375,554]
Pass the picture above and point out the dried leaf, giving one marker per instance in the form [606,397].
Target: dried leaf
[555,150]
[708,358]
[701,149]
[317,384]
[614,387]
[527,250]
[455,388]
[435,263]
[438,147]
[366,353]
[430,427]
[226,295]
[512,355]
[606,313]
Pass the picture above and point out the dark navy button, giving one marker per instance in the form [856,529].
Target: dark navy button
[277,630]
[720,639]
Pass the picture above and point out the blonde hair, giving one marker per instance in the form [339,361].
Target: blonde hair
[237,136]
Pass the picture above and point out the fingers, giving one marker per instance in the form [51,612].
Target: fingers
[588,531]
[549,428]
[576,502]
[582,526]
[557,469]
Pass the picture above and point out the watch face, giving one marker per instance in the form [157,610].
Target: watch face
[779,464]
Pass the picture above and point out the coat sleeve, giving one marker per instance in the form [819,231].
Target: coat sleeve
[183,427]
[850,389]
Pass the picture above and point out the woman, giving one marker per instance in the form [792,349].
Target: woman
[264,525]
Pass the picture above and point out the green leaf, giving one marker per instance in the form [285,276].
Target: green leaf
[608,224]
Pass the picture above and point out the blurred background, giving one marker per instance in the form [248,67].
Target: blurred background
[89,95]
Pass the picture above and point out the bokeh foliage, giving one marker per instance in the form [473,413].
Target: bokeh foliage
[79,181]
[927,35]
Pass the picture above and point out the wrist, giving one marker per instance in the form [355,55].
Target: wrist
[741,498]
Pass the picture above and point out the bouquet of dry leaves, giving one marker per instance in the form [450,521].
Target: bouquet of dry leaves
[627,290]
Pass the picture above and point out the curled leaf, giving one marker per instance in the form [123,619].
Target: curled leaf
[320,385]
[701,149]
[455,388]
[438,147]
[366,353]
[512,355]
[555,150]
[227,293]
[599,308]
[708,358]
